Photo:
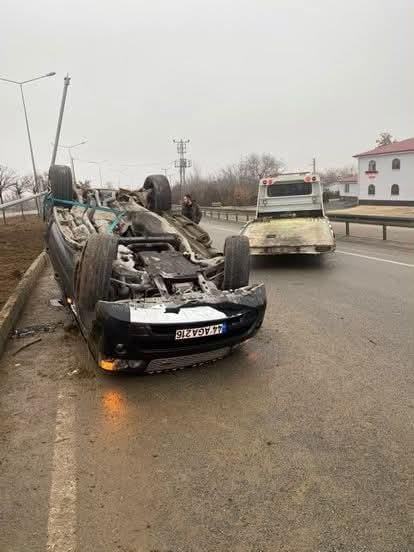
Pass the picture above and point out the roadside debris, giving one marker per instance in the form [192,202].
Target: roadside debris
[26,345]
[73,372]
[36,328]
[56,303]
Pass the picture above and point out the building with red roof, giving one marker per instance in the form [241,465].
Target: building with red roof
[386,174]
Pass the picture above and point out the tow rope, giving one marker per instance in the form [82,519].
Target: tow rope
[49,199]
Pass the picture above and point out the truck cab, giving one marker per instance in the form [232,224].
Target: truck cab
[290,217]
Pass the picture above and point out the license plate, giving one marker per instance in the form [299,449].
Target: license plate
[206,331]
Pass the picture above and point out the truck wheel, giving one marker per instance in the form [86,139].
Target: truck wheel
[159,198]
[94,271]
[236,262]
[60,178]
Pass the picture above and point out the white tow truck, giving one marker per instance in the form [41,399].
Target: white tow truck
[290,217]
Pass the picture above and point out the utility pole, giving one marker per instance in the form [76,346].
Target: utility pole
[314,165]
[182,163]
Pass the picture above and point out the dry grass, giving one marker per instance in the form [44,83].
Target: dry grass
[379,210]
[21,240]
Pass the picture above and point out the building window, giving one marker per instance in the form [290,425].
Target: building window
[395,163]
[395,189]
[371,189]
[372,166]
[347,187]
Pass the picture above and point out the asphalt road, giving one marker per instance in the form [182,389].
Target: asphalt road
[301,441]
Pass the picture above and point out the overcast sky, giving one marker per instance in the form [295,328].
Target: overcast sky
[296,78]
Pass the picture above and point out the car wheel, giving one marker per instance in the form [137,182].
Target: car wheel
[60,179]
[236,262]
[159,198]
[94,272]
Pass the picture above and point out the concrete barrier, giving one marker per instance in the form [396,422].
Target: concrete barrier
[11,311]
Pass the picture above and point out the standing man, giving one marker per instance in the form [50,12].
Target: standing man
[190,209]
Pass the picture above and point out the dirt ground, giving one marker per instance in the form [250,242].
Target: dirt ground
[379,210]
[21,240]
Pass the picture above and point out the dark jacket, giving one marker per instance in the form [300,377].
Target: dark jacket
[192,212]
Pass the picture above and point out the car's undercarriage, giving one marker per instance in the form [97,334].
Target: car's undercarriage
[145,283]
[155,256]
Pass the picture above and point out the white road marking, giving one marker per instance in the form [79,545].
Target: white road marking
[374,258]
[61,527]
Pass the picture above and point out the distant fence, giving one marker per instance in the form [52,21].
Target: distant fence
[245,214]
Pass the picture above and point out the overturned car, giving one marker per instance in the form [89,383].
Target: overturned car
[147,288]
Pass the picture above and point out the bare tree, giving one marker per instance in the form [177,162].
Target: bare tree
[258,166]
[235,184]
[42,180]
[27,183]
[7,178]
[329,176]
[20,185]
[385,139]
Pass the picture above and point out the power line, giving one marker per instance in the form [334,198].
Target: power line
[182,163]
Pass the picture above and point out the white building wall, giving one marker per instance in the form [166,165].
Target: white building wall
[353,189]
[340,187]
[387,176]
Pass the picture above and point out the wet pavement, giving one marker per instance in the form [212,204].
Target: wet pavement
[300,441]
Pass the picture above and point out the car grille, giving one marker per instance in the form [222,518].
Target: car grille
[174,363]
[165,333]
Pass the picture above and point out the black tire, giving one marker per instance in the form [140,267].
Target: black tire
[60,179]
[236,262]
[94,272]
[159,199]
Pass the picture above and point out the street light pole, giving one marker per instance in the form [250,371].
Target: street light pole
[99,163]
[72,165]
[21,83]
[100,175]
[30,140]
[71,159]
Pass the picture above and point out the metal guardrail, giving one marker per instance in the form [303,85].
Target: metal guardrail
[7,204]
[230,214]
[14,202]
[374,220]
[248,213]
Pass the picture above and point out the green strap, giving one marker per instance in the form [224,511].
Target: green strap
[119,214]
[78,204]
[115,223]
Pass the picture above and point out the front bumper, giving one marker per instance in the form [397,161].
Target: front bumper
[151,345]
[293,250]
